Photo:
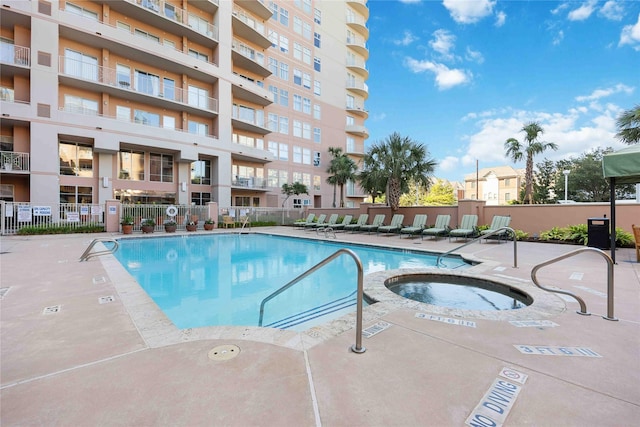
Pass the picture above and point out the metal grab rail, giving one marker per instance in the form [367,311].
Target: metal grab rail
[88,254]
[357,347]
[484,236]
[244,223]
[583,306]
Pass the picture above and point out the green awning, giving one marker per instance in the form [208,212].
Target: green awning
[623,165]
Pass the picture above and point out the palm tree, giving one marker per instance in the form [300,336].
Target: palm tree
[400,159]
[343,170]
[371,178]
[629,126]
[516,151]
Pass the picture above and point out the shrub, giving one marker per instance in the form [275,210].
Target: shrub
[577,233]
[60,229]
[556,233]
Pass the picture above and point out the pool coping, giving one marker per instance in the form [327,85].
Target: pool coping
[157,330]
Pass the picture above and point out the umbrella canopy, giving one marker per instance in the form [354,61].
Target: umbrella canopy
[623,165]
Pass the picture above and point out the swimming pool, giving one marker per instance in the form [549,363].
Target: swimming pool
[221,279]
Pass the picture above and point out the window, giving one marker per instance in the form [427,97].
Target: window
[283,178]
[297,77]
[317,181]
[76,159]
[306,30]
[306,130]
[147,83]
[274,91]
[273,66]
[7,192]
[297,128]
[284,125]
[507,196]
[316,64]
[198,97]
[169,43]
[351,101]
[169,122]
[317,135]
[316,158]
[123,76]
[201,172]
[70,7]
[284,17]
[145,35]
[351,145]
[317,87]
[200,199]
[273,148]
[199,24]
[248,114]
[249,141]
[297,51]
[146,118]
[80,65]
[297,155]
[297,24]
[76,194]
[274,10]
[272,178]
[131,165]
[317,15]
[198,55]
[297,203]
[160,167]
[284,44]
[284,71]
[75,104]
[297,102]
[317,112]
[306,105]
[284,97]
[123,113]
[507,182]
[350,121]
[306,55]
[170,11]
[306,156]
[473,184]
[272,123]
[317,40]
[306,80]
[198,128]
[123,26]
[169,88]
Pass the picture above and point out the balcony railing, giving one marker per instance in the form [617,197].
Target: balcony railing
[249,20]
[249,182]
[357,84]
[14,161]
[357,41]
[178,15]
[248,52]
[15,55]
[351,62]
[110,76]
[358,20]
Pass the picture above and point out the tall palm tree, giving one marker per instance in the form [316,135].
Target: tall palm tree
[371,178]
[401,159]
[629,126]
[517,150]
[343,170]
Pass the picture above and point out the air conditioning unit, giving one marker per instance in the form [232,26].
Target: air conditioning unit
[316,162]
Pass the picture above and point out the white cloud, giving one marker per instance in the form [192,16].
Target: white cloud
[612,10]
[558,38]
[474,55]
[409,1]
[406,40]
[631,35]
[379,117]
[601,93]
[443,41]
[446,77]
[583,12]
[560,8]
[449,163]
[501,18]
[468,12]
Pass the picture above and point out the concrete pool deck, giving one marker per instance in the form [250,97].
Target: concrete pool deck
[121,363]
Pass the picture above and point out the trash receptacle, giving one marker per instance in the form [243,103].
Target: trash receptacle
[598,233]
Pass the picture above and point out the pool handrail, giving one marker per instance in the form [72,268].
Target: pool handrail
[88,254]
[583,306]
[484,236]
[357,347]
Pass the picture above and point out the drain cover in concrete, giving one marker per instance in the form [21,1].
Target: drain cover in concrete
[224,352]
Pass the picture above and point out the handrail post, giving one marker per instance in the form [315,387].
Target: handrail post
[357,347]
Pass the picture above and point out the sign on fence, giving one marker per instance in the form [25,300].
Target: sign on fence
[24,213]
[42,211]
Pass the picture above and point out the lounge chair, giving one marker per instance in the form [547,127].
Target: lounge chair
[497,222]
[419,222]
[321,219]
[333,219]
[378,220]
[345,221]
[302,222]
[362,220]
[396,224]
[228,221]
[636,235]
[440,228]
[468,227]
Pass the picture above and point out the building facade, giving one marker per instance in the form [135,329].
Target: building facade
[180,102]
[497,185]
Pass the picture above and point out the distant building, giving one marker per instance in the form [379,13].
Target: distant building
[497,185]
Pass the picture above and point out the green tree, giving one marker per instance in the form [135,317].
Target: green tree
[415,195]
[543,185]
[401,159]
[516,151]
[342,169]
[294,189]
[629,126]
[372,179]
[441,193]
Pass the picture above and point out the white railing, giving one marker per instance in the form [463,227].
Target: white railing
[250,182]
[16,216]
[248,51]
[357,41]
[176,14]
[357,84]
[14,161]
[249,20]
[163,213]
[15,55]
[110,76]
[351,62]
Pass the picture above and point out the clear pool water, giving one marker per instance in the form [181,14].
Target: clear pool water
[221,279]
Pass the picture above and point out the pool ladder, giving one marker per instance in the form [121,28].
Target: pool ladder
[357,347]
[87,254]
[583,306]
[484,236]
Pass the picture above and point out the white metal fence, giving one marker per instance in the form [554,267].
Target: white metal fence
[70,215]
[181,214]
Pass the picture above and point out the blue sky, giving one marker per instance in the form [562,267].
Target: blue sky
[463,76]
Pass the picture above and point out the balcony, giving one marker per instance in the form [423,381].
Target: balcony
[249,125]
[358,44]
[97,78]
[249,90]
[14,162]
[359,6]
[357,109]
[250,183]
[354,149]
[245,26]
[11,54]
[359,87]
[359,24]
[357,130]
[358,66]
[257,7]
[247,58]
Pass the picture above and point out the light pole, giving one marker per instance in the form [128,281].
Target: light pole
[566,182]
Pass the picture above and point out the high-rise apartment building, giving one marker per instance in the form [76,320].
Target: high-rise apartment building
[179,101]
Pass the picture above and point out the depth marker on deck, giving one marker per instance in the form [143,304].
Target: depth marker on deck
[449,320]
[495,405]
[543,350]
[375,329]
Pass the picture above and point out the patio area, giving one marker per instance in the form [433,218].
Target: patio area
[83,345]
